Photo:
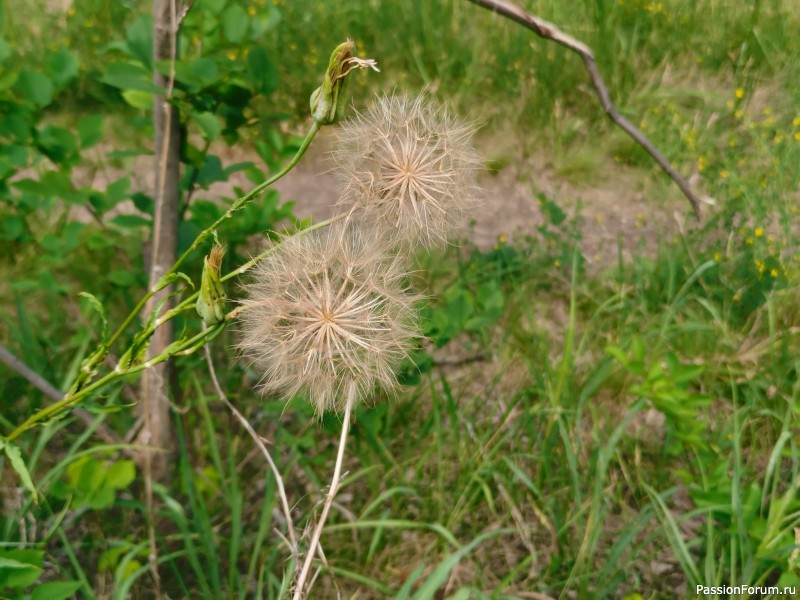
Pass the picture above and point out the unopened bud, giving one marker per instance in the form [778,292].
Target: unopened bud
[327,101]
[211,301]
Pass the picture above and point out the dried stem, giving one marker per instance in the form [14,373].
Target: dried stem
[337,471]
[287,513]
[550,32]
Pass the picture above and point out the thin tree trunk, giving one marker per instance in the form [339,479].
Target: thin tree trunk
[157,431]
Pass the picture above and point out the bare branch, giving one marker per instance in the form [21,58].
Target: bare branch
[550,32]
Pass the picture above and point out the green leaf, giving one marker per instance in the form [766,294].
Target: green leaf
[15,458]
[131,221]
[55,590]
[90,130]
[130,76]
[122,278]
[268,18]
[36,87]
[5,50]
[121,474]
[98,306]
[261,71]
[234,23]
[172,278]
[118,191]
[20,568]
[62,66]
[8,79]
[139,40]
[138,99]
[214,7]
[197,74]
[13,227]
[209,123]
[57,143]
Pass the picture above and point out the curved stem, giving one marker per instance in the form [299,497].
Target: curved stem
[236,206]
[337,470]
[287,513]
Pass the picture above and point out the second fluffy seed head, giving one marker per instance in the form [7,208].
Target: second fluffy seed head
[408,165]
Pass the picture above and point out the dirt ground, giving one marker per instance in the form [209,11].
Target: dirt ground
[621,208]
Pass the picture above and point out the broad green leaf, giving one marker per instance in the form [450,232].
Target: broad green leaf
[13,228]
[130,76]
[197,74]
[58,144]
[213,7]
[118,191]
[121,474]
[209,123]
[62,66]
[36,87]
[90,130]
[5,50]
[122,278]
[20,568]
[261,71]
[18,464]
[138,99]
[131,221]
[234,23]
[139,40]
[8,79]
[55,590]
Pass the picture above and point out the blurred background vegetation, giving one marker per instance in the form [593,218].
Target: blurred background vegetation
[624,427]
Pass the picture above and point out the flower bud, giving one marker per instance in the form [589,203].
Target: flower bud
[211,301]
[327,101]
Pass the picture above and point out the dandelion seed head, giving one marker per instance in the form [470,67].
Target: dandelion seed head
[328,313]
[408,165]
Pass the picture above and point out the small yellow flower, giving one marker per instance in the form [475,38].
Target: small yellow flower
[232,54]
[717,256]
[796,121]
[739,93]
[759,232]
[724,174]
[767,111]
[251,10]
[797,136]
[774,272]
[738,114]
[737,298]
[749,241]
[501,239]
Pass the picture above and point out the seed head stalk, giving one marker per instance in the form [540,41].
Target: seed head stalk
[337,471]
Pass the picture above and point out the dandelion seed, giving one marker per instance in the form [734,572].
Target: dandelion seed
[328,312]
[408,165]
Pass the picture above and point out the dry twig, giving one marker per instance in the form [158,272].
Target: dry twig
[550,32]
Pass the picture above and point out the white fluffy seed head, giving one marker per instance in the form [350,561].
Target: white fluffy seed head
[328,314]
[408,166]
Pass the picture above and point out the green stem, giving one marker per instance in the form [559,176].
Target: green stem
[198,340]
[236,206]
[72,399]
